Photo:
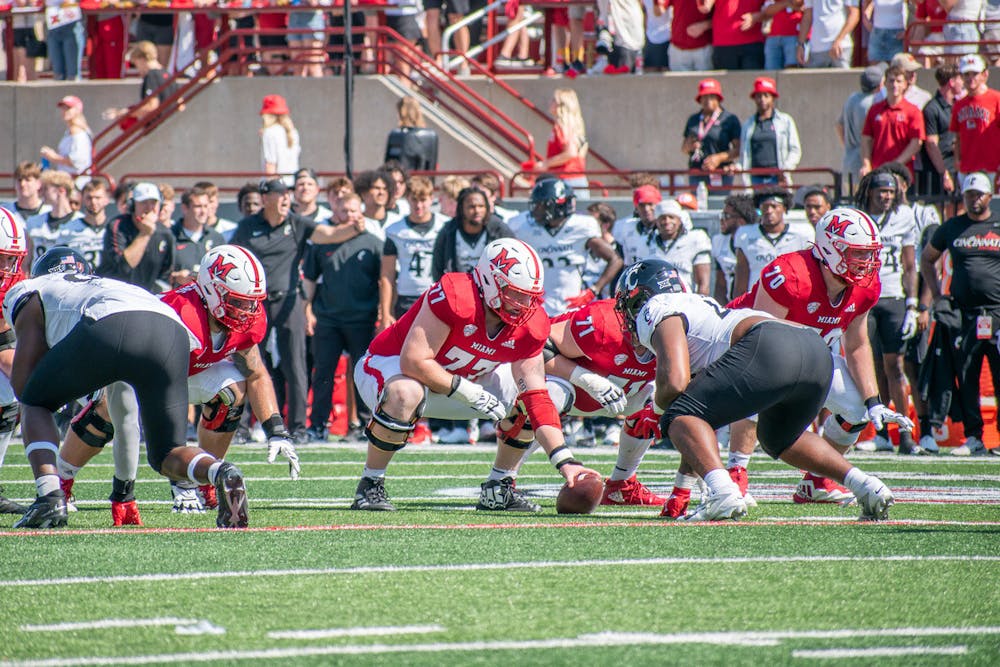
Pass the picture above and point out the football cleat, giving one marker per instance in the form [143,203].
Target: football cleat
[612,435]
[125,514]
[875,501]
[718,507]
[208,496]
[8,506]
[972,446]
[232,496]
[739,476]
[865,446]
[371,496]
[909,447]
[502,496]
[677,504]
[67,487]
[421,434]
[186,500]
[48,511]
[929,444]
[815,489]
[629,492]
[882,443]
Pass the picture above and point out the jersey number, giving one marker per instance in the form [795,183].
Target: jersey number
[466,364]
[419,264]
[775,278]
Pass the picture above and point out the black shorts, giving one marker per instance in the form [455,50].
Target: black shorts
[272,40]
[406,26]
[161,34]
[885,321]
[780,372]
[433,4]
[916,347]
[146,350]
[656,56]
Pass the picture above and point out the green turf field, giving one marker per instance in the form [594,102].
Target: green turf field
[438,583]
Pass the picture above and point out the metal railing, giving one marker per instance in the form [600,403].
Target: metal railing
[913,45]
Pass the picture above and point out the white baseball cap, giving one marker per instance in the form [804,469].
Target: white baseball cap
[145,192]
[669,207]
[978,182]
[971,63]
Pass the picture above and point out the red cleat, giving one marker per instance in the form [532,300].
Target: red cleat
[629,492]
[125,514]
[677,503]
[815,489]
[67,487]
[421,434]
[209,499]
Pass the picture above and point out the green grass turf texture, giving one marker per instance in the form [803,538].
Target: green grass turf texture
[588,575]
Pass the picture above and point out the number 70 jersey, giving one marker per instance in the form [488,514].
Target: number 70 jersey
[468,351]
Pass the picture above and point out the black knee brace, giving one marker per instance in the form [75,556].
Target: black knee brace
[88,419]
[8,417]
[222,414]
[393,425]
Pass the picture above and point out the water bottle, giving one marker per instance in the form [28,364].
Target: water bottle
[701,194]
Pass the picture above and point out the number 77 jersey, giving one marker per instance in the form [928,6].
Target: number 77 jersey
[469,351]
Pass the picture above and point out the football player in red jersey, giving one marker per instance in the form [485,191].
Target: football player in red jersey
[471,346]
[222,309]
[13,250]
[830,288]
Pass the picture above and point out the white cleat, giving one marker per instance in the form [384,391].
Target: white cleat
[718,507]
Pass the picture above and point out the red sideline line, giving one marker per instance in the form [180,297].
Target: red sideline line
[480,526]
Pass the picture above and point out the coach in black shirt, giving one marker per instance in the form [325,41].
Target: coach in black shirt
[973,241]
[278,238]
[137,249]
[937,157]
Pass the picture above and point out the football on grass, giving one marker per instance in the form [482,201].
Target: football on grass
[583,497]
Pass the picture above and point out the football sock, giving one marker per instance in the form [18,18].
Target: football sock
[496,474]
[630,452]
[66,470]
[47,484]
[925,429]
[719,481]
[373,473]
[683,481]
[738,459]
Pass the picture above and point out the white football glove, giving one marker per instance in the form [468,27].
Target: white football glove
[280,444]
[477,398]
[607,393]
[909,328]
[186,500]
[881,415]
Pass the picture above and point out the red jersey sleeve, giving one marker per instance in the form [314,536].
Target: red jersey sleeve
[453,299]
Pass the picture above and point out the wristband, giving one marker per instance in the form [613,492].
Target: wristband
[911,302]
[872,402]
[923,308]
[274,425]
[561,456]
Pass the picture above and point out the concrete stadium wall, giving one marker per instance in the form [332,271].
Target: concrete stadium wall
[633,121]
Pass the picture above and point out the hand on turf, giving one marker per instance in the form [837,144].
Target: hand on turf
[881,415]
[571,471]
[279,444]
[186,500]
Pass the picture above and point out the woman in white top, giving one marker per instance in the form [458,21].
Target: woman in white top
[75,152]
[279,139]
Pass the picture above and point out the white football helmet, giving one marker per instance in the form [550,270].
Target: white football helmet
[847,241]
[231,282]
[509,276]
[13,249]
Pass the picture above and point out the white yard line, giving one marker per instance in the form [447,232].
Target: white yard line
[879,652]
[106,623]
[356,632]
[600,640]
[473,567]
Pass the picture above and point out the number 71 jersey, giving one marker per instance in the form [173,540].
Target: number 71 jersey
[468,351]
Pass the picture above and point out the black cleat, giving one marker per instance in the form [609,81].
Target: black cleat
[48,511]
[501,496]
[232,496]
[8,506]
[371,496]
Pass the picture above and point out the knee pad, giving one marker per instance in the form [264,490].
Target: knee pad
[7,340]
[222,413]
[9,415]
[840,432]
[91,427]
[387,433]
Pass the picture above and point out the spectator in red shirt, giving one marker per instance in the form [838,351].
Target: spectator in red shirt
[781,45]
[690,37]
[894,128]
[929,10]
[737,38]
[974,120]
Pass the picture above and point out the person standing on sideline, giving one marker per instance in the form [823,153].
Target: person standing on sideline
[66,38]
[687,251]
[975,291]
[852,121]
[975,120]
[137,248]
[757,245]
[44,230]
[737,210]
[279,140]
[769,138]
[74,154]
[711,136]
[193,238]
[143,56]
[782,41]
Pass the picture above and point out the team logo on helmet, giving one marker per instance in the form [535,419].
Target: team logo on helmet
[220,268]
[504,262]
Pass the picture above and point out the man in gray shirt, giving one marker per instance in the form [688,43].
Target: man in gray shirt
[852,119]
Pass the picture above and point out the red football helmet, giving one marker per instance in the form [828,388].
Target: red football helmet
[847,241]
[509,275]
[13,249]
[231,282]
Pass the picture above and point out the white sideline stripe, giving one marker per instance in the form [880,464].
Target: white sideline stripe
[590,640]
[108,623]
[355,632]
[879,652]
[473,567]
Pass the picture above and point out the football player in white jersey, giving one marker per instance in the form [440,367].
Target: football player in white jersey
[757,245]
[893,320]
[688,251]
[129,335]
[564,240]
[409,251]
[13,250]
[715,366]
[86,234]
[28,189]
[45,229]
[633,232]
[738,210]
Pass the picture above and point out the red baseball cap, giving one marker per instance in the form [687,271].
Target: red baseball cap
[688,201]
[646,194]
[709,87]
[71,102]
[764,84]
[275,105]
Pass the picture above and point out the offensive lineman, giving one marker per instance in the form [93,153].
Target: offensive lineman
[743,362]
[470,347]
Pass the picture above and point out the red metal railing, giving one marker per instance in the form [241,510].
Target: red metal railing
[912,45]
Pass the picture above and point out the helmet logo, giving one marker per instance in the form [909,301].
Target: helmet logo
[838,225]
[220,268]
[504,263]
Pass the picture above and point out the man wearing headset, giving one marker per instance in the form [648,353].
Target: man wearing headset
[137,250]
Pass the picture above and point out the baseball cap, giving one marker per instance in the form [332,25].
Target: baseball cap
[646,194]
[71,102]
[273,186]
[764,84]
[274,104]
[688,201]
[145,192]
[669,207]
[977,182]
[871,77]
[905,61]
[971,63]
[709,87]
